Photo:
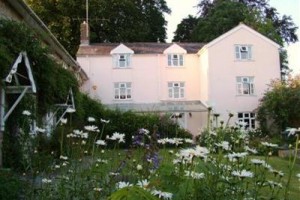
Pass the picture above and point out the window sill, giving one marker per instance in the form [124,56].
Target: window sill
[244,60]
[122,67]
[246,95]
[176,67]
[122,100]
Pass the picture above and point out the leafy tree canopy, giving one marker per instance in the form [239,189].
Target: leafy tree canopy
[109,20]
[282,104]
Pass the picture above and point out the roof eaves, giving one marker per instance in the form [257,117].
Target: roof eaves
[36,23]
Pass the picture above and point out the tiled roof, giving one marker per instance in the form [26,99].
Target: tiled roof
[138,48]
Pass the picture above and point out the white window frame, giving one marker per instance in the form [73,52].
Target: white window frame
[176,90]
[122,91]
[243,52]
[175,60]
[122,60]
[245,85]
[248,118]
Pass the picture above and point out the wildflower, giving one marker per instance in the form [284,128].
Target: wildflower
[213,133]
[269,144]
[91,119]
[273,184]
[160,194]
[267,166]
[257,161]
[114,174]
[45,180]
[26,113]
[144,131]
[41,130]
[276,172]
[237,155]
[122,184]
[298,176]
[83,142]
[291,131]
[100,142]
[254,151]
[242,174]
[117,136]
[63,120]
[224,144]
[139,167]
[63,157]
[188,140]
[104,121]
[143,183]
[70,110]
[102,161]
[97,189]
[91,128]
[194,175]
[57,166]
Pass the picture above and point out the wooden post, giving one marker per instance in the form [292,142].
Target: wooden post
[2,110]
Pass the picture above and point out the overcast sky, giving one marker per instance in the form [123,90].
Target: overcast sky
[182,8]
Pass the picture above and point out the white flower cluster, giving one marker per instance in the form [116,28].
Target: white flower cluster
[194,175]
[187,155]
[224,145]
[45,180]
[243,174]
[78,134]
[176,141]
[91,128]
[269,144]
[117,137]
[100,142]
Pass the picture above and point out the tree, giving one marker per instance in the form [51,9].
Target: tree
[109,20]
[185,28]
[281,104]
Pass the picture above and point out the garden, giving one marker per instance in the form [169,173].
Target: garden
[97,153]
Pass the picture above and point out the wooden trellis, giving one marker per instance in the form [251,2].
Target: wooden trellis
[14,83]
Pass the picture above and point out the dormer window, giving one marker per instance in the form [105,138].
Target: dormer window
[175,60]
[243,52]
[122,60]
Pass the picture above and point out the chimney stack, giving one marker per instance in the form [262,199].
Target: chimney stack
[84,34]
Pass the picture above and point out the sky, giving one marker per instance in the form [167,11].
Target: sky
[182,8]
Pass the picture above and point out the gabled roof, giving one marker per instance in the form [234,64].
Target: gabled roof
[121,49]
[175,48]
[237,28]
[138,48]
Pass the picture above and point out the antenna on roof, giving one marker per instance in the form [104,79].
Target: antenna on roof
[87,11]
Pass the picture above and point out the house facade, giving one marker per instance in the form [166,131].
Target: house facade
[230,73]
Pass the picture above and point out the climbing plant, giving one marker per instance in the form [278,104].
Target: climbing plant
[52,80]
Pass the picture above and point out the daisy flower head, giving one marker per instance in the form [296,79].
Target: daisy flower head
[242,174]
[26,113]
[91,119]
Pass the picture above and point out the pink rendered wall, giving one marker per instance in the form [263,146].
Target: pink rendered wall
[224,68]
[149,75]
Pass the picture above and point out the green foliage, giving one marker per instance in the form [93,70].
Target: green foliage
[184,30]
[109,20]
[132,193]
[52,81]
[279,108]
[10,185]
